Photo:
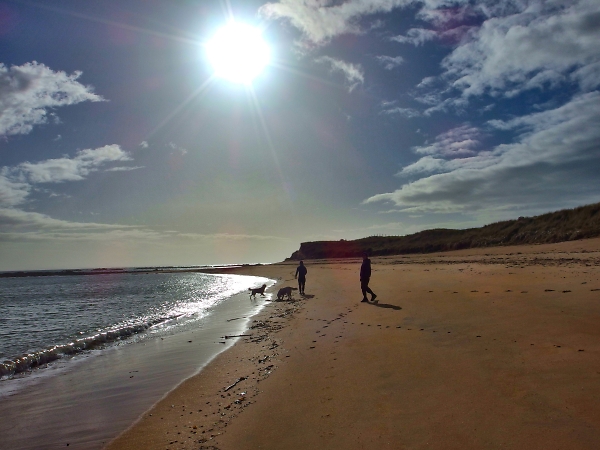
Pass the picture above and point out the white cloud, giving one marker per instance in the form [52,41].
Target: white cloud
[123,169]
[353,73]
[542,44]
[519,46]
[457,142]
[406,112]
[555,160]
[18,225]
[144,144]
[17,220]
[445,13]
[16,182]
[29,91]
[177,148]
[12,192]
[588,76]
[416,36]
[427,164]
[390,62]
[320,20]
[72,169]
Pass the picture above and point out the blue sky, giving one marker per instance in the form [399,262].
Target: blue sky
[121,148]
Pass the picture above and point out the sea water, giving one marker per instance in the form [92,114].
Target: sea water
[69,343]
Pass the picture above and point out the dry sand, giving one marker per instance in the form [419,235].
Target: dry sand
[474,349]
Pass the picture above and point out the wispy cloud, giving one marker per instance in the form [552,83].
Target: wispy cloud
[353,73]
[29,91]
[18,225]
[177,148]
[553,161]
[319,21]
[406,112]
[17,220]
[12,191]
[123,169]
[457,142]
[16,182]
[390,62]
[71,169]
[416,36]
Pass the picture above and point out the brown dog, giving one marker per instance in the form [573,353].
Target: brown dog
[285,291]
[260,290]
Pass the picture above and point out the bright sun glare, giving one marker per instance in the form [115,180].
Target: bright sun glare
[238,52]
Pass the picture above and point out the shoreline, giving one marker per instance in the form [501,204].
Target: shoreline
[86,402]
[234,374]
[466,349]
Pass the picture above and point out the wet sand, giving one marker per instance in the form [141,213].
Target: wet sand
[85,403]
[486,348]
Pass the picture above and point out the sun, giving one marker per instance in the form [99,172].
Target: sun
[238,52]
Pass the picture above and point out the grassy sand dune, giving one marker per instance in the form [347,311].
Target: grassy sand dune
[490,348]
[559,226]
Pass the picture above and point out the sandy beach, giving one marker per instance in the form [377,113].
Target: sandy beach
[487,348]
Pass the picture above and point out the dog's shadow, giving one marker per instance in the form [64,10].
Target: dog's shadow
[386,305]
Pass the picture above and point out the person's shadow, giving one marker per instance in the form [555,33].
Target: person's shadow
[306,296]
[386,305]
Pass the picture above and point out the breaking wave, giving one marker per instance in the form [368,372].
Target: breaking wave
[26,362]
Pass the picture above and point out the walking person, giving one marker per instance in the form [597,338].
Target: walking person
[365,276]
[301,275]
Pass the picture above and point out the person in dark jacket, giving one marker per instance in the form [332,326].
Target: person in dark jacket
[365,276]
[301,275]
